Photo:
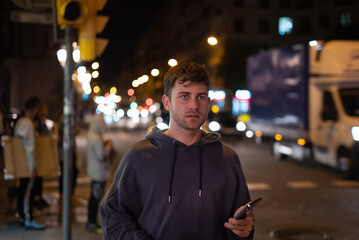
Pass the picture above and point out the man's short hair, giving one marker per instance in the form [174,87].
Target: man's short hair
[32,103]
[183,72]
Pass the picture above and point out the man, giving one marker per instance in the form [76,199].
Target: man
[182,183]
[25,129]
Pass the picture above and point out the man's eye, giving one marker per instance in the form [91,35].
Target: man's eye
[202,97]
[184,96]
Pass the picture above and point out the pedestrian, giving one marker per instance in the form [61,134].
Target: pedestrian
[42,129]
[98,168]
[25,129]
[179,183]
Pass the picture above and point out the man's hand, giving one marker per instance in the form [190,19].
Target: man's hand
[241,227]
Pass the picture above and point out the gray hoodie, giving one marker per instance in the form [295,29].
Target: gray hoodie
[98,167]
[165,190]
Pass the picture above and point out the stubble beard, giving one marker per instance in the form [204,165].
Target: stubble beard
[188,124]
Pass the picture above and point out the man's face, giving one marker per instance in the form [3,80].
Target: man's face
[188,105]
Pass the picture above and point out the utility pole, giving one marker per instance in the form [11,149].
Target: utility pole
[68,137]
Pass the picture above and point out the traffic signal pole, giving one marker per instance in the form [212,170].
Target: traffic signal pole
[68,136]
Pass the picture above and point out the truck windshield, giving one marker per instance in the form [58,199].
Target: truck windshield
[350,98]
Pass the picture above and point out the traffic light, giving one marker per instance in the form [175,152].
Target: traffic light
[70,12]
[82,14]
[91,46]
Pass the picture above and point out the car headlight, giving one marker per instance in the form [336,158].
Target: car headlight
[214,126]
[355,133]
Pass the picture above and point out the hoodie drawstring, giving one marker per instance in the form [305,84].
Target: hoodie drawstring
[173,170]
[200,172]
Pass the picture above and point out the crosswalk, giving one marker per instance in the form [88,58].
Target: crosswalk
[257,186]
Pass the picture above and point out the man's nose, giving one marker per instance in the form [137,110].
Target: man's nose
[193,104]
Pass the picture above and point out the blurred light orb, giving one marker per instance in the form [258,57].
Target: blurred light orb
[215,109]
[120,113]
[155,72]
[95,65]
[145,78]
[135,83]
[96,89]
[241,126]
[249,134]
[81,70]
[133,105]
[130,92]
[76,55]
[144,113]
[172,62]
[214,126]
[113,90]
[95,74]
[61,55]
[212,41]
[149,101]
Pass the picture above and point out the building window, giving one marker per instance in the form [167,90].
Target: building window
[345,19]
[285,25]
[324,21]
[239,25]
[263,25]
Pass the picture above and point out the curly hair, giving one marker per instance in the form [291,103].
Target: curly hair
[183,72]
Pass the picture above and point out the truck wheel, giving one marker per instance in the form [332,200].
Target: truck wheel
[345,165]
[276,153]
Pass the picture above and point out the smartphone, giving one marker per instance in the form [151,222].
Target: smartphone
[242,214]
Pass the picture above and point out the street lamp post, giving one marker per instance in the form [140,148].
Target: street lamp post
[68,136]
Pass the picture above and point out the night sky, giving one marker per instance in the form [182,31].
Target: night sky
[129,21]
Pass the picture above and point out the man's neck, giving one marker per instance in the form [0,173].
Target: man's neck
[187,137]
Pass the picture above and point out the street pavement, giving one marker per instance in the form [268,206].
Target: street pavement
[51,217]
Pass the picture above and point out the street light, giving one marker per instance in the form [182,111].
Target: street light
[212,41]
[172,62]
[155,72]
[62,54]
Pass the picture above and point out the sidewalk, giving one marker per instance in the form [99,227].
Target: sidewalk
[9,228]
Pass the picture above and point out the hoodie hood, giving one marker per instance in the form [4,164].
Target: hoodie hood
[158,137]
[97,124]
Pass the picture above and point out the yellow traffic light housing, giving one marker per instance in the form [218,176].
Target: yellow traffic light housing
[90,46]
[70,12]
[82,14]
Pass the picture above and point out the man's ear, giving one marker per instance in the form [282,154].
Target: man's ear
[166,102]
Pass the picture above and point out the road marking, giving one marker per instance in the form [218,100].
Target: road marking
[302,184]
[258,186]
[345,183]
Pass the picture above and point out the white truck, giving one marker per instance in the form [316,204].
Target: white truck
[306,98]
